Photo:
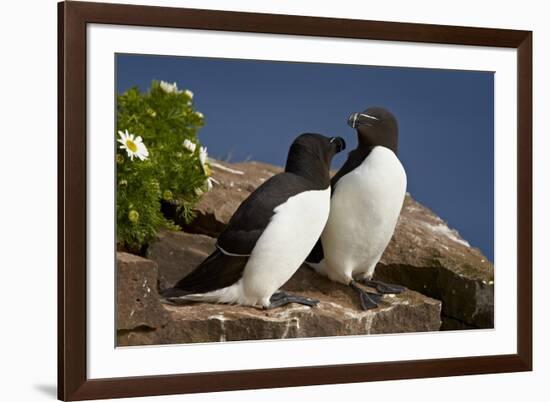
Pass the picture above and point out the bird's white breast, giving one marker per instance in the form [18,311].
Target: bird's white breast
[364,210]
[285,243]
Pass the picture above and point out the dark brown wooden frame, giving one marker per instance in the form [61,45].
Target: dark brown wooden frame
[73,383]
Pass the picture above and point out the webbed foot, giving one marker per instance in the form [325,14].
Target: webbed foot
[282,298]
[384,288]
[368,300]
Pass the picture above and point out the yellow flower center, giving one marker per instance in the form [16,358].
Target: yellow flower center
[131,145]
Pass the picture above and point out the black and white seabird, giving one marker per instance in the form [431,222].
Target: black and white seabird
[367,197]
[270,235]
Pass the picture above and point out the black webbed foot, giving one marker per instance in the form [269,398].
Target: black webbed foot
[282,298]
[384,288]
[368,300]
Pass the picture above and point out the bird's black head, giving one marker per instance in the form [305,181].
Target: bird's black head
[375,126]
[310,156]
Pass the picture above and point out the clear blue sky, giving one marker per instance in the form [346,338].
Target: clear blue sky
[253,110]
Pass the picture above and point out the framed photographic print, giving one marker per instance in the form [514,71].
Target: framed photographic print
[253,200]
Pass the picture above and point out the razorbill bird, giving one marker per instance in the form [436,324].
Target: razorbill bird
[367,196]
[270,235]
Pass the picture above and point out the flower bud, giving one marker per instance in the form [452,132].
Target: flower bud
[167,195]
[133,216]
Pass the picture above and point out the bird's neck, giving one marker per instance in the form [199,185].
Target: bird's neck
[310,166]
[370,139]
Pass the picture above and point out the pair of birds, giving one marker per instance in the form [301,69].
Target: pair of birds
[340,226]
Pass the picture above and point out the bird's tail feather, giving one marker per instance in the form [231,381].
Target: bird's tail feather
[173,293]
[216,272]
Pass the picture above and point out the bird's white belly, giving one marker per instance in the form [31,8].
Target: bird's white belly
[364,210]
[284,245]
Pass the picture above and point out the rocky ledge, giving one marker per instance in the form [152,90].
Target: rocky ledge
[143,319]
[451,284]
[427,256]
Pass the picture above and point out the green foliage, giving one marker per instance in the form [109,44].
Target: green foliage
[157,165]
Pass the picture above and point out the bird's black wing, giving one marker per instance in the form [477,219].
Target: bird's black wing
[355,158]
[226,264]
[253,215]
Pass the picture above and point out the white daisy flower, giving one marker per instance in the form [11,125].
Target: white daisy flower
[209,184]
[199,115]
[189,145]
[210,181]
[188,93]
[134,146]
[169,88]
[203,158]
[203,155]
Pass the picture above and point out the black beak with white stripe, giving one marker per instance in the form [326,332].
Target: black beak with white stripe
[361,119]
[270,234]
